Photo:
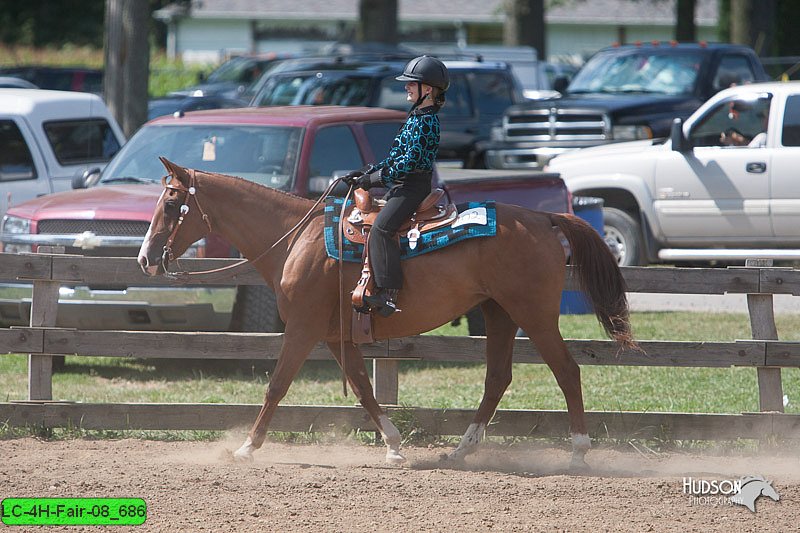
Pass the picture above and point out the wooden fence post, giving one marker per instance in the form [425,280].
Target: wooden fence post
[44,308]
[384,379]
[762,327]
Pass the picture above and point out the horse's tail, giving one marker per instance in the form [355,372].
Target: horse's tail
[598,276]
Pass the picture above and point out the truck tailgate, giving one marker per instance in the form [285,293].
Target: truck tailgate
[537,190]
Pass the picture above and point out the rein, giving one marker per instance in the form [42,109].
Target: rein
[191,192]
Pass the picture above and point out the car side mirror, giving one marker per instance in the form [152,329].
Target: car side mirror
[87,179]
[679,141]
[560,84]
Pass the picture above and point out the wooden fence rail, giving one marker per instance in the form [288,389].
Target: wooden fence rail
[42,341]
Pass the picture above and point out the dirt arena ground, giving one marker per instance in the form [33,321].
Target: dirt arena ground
[193,486]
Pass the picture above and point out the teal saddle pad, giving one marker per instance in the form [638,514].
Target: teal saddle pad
[476,219]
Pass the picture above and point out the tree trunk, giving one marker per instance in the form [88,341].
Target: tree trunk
[377,21]
[753,24]
[685,29]
[127,62]
[740,21]
[524,25]
[762,26]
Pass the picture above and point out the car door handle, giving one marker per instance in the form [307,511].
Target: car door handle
[756,168]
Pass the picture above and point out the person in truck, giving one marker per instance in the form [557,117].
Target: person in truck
[407,172]
[748,124]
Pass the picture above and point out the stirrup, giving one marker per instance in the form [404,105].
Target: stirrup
[382,302]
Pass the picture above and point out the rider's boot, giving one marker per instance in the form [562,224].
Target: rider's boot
[383,302]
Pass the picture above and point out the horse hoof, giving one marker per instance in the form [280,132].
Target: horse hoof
[394,458]
[451,458]
[243,455]
[579,467]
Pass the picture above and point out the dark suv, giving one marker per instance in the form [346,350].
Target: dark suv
[88,80]
[480,91]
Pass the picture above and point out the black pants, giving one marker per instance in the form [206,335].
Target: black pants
[384,251]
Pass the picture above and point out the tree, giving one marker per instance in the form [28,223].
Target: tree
[377,21]
[753,24]
[685,28]
[127,62]
[524,24]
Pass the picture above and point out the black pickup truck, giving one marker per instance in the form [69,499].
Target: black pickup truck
[622,93]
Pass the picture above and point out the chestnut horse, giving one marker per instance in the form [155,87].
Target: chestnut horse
[516,277]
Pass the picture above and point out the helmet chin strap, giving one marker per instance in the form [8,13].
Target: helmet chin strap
[420,98]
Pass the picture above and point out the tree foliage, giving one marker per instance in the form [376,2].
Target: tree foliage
[44,22]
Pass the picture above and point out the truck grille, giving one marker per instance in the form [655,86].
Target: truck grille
[557,125]
[121,228]
[98,227]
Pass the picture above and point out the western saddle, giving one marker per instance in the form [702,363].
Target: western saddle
[434,212]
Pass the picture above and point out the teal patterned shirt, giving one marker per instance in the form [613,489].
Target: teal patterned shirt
[414,149]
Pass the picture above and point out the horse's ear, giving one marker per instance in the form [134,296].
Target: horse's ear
[176,171]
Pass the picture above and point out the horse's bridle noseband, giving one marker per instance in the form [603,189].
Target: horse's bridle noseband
[169,182]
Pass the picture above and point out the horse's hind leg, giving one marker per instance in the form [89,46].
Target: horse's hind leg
[553,350]
[500,330]
[359,380]
[295,349]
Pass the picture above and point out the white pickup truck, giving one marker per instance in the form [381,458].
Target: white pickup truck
[724,187]
[48,139]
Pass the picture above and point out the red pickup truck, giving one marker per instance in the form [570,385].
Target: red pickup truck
[298,149]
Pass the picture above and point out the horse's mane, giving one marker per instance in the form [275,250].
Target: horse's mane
[253,186]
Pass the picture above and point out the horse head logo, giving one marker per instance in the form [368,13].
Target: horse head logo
[752,488]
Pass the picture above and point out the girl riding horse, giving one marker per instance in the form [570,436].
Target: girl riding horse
[407,172]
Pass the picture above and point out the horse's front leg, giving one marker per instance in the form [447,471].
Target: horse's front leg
[295,350]
[358,377]
[500,330]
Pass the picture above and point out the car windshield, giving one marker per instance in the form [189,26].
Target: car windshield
[320,88]
[665,72]
[263,154]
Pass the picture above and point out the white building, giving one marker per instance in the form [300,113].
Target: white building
[209,30]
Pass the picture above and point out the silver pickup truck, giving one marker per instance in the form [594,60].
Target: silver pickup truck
[723,187]
[48,139]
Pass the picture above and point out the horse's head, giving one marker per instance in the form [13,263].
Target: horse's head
[769,491]
[178,221]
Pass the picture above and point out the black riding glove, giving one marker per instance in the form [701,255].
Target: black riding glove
[360,178]
[351,177]
[368,181]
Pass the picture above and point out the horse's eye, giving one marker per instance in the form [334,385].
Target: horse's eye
[171,207]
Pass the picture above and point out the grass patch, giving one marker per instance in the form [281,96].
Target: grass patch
[165,75]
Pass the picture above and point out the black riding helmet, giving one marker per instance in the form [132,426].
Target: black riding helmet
[427,70]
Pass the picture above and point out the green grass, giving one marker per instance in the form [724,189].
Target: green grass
[165,75]
[444,385]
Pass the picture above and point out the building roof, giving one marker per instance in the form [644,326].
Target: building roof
[642,12]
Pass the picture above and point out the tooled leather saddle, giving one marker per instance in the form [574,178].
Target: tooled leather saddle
[433,212]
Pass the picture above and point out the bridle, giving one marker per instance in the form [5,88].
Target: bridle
[191,192]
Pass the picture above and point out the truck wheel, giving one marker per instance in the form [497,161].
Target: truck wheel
[256,310]
[623,236]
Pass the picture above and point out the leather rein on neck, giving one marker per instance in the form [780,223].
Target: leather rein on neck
[191,192]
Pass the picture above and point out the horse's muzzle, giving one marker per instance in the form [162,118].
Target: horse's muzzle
[149,268]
